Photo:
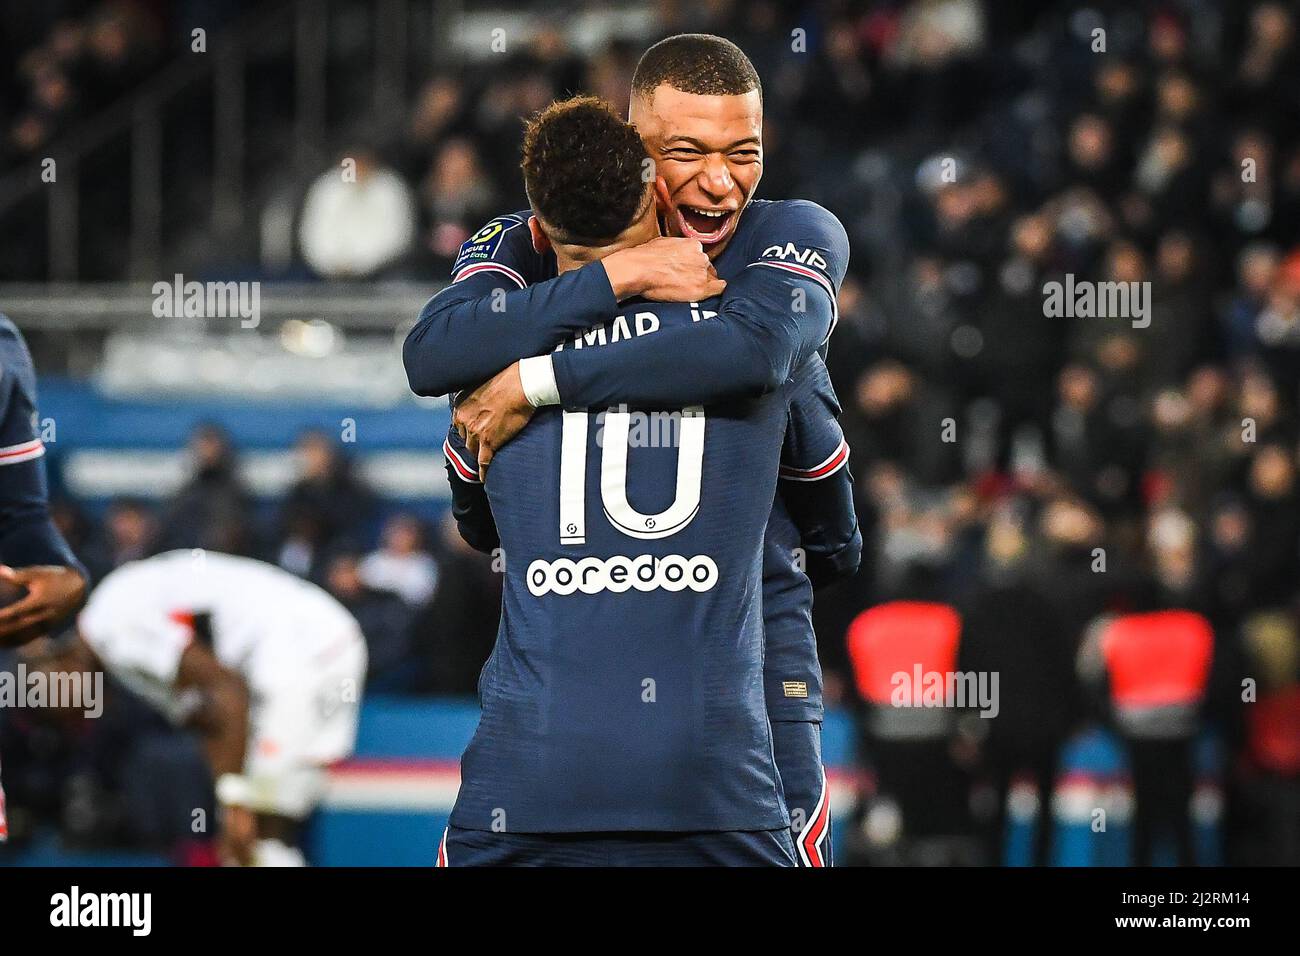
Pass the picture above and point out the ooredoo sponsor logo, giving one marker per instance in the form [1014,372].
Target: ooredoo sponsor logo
[671,572]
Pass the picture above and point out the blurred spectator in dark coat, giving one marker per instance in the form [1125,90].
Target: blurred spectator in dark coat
[130,534]
[898,417]
[1182,319]
[1092,157]
[453,634]
[457,198]
[385,621]
[836,85]
[1227,562]
[212,509]
[76,526]
[439,108]
[1013,346]
[1098,439]
[1075,567]
[1275,519]
[1278,327]
[518,87]
[326,502]
[1012,630]
[1256,268]
[858,336]
[1191,457]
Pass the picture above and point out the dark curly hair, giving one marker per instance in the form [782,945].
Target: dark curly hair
[697,63]
[585,170]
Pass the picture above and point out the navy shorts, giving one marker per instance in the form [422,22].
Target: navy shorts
[798,747]
[461,847]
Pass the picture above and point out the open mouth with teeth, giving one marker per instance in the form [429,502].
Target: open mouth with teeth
[708,226]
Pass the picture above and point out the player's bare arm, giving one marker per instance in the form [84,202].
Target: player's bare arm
[666,269]
[49,593]
[222,718]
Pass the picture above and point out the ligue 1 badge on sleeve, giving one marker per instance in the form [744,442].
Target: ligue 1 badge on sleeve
[484,243]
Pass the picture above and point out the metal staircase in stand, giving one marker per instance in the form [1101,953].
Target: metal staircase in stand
[251,117]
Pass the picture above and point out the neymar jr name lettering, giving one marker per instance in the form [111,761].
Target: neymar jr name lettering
[628,326]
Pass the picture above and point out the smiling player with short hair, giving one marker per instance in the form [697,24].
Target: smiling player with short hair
[624,715]
[697,104]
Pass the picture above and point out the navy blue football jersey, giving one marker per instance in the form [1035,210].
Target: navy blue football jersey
[27,535]
[794,238]
[793,671]
[626,689]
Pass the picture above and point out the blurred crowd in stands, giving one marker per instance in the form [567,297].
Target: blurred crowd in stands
[67,60]
[86,61]
[975,152]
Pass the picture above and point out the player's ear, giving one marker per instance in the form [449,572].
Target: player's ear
[541,242]
[661,195]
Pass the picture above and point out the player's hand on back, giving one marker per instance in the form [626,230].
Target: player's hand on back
[667,269]
[46,593]
[495,412]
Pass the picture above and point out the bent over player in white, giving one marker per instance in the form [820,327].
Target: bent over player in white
[268,667]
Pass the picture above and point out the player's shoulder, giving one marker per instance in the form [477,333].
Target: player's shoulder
[502,244]
[802,214]
[794,234]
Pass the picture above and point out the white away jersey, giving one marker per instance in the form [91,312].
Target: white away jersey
[273,628]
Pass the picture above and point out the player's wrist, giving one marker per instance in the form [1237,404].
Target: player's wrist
[623,270]
[537,378]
